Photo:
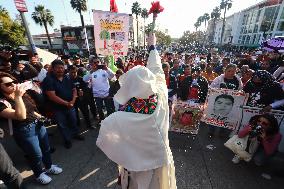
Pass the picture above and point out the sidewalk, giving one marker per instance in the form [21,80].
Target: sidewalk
[197,166]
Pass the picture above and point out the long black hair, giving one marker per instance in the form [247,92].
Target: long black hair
[273,127]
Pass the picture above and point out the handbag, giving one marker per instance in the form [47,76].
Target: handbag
[238,146]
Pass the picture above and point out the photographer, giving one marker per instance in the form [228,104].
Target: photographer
[19,65]
[24,70]
[28,127]
[265,129]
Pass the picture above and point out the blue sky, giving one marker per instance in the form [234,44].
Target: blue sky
[179,15]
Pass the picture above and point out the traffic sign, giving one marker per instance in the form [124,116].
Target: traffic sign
[21,5]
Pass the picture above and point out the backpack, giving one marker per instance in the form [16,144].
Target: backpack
[4,124]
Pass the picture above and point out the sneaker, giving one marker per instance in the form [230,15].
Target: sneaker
[79,137]
[236,159]
[43,179]
[54,169]
[67,144]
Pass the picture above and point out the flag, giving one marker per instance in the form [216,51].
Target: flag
[113,7]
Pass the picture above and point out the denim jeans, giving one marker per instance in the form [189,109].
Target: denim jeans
[108,103]
[33,140]
[67,123]
[8,173]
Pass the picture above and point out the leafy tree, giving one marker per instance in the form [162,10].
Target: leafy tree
[225,5]
[215,15]
[144,15]
[136,9]
[190,40]
[163,39]
[43,17]
[11,31]
[148,28]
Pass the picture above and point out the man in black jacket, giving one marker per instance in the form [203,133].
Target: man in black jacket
[84,97]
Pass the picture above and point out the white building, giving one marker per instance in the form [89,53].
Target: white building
[41,41]
[133,31]
[251,26]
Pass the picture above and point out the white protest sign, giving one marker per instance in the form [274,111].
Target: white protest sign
[222,107]
[111,33]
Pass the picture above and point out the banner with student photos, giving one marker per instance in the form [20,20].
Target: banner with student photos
[248,112]
[222,108]
[185,117]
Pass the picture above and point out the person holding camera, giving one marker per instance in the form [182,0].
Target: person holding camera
[28,128]
[99,78]
[265,129]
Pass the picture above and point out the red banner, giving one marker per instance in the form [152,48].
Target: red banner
[21,5]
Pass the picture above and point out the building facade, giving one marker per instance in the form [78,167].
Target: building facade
[41,41]
[74,39]
[251,26]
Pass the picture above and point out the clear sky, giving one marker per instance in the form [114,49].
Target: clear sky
[178,16]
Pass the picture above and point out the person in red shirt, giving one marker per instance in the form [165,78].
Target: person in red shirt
[266,129]
[139,61]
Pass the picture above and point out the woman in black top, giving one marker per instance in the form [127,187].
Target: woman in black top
[29,133]
[263,89]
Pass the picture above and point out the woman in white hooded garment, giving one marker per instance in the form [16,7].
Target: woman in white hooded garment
[136,137]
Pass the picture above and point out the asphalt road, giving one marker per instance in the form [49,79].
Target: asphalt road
[197,165]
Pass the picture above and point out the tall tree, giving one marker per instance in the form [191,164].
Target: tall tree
[215,15]
[79,6]
[144,15]
[136,9]
[225,5]
[163,39]
[11,31]
[43,17]
[206,18]
[198,22]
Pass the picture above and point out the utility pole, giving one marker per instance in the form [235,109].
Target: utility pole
[22,8]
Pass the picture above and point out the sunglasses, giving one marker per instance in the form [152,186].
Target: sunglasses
[9,84]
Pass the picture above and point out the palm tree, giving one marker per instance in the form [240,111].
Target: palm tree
[144,15]
[79,6]
[226,5]
[136,9]
[197,24]
[215,15]
[43,17]
[206,18]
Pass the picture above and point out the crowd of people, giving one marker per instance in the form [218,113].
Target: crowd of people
[29,101]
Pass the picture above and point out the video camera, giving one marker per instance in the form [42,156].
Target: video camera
[256,131]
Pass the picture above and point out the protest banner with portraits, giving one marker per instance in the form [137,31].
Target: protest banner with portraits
[222,107]
[111,33]
[185,117]
[248,112]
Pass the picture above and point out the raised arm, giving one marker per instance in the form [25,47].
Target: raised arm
[19,113]
[154,61]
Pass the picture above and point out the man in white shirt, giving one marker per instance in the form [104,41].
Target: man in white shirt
[99,79]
